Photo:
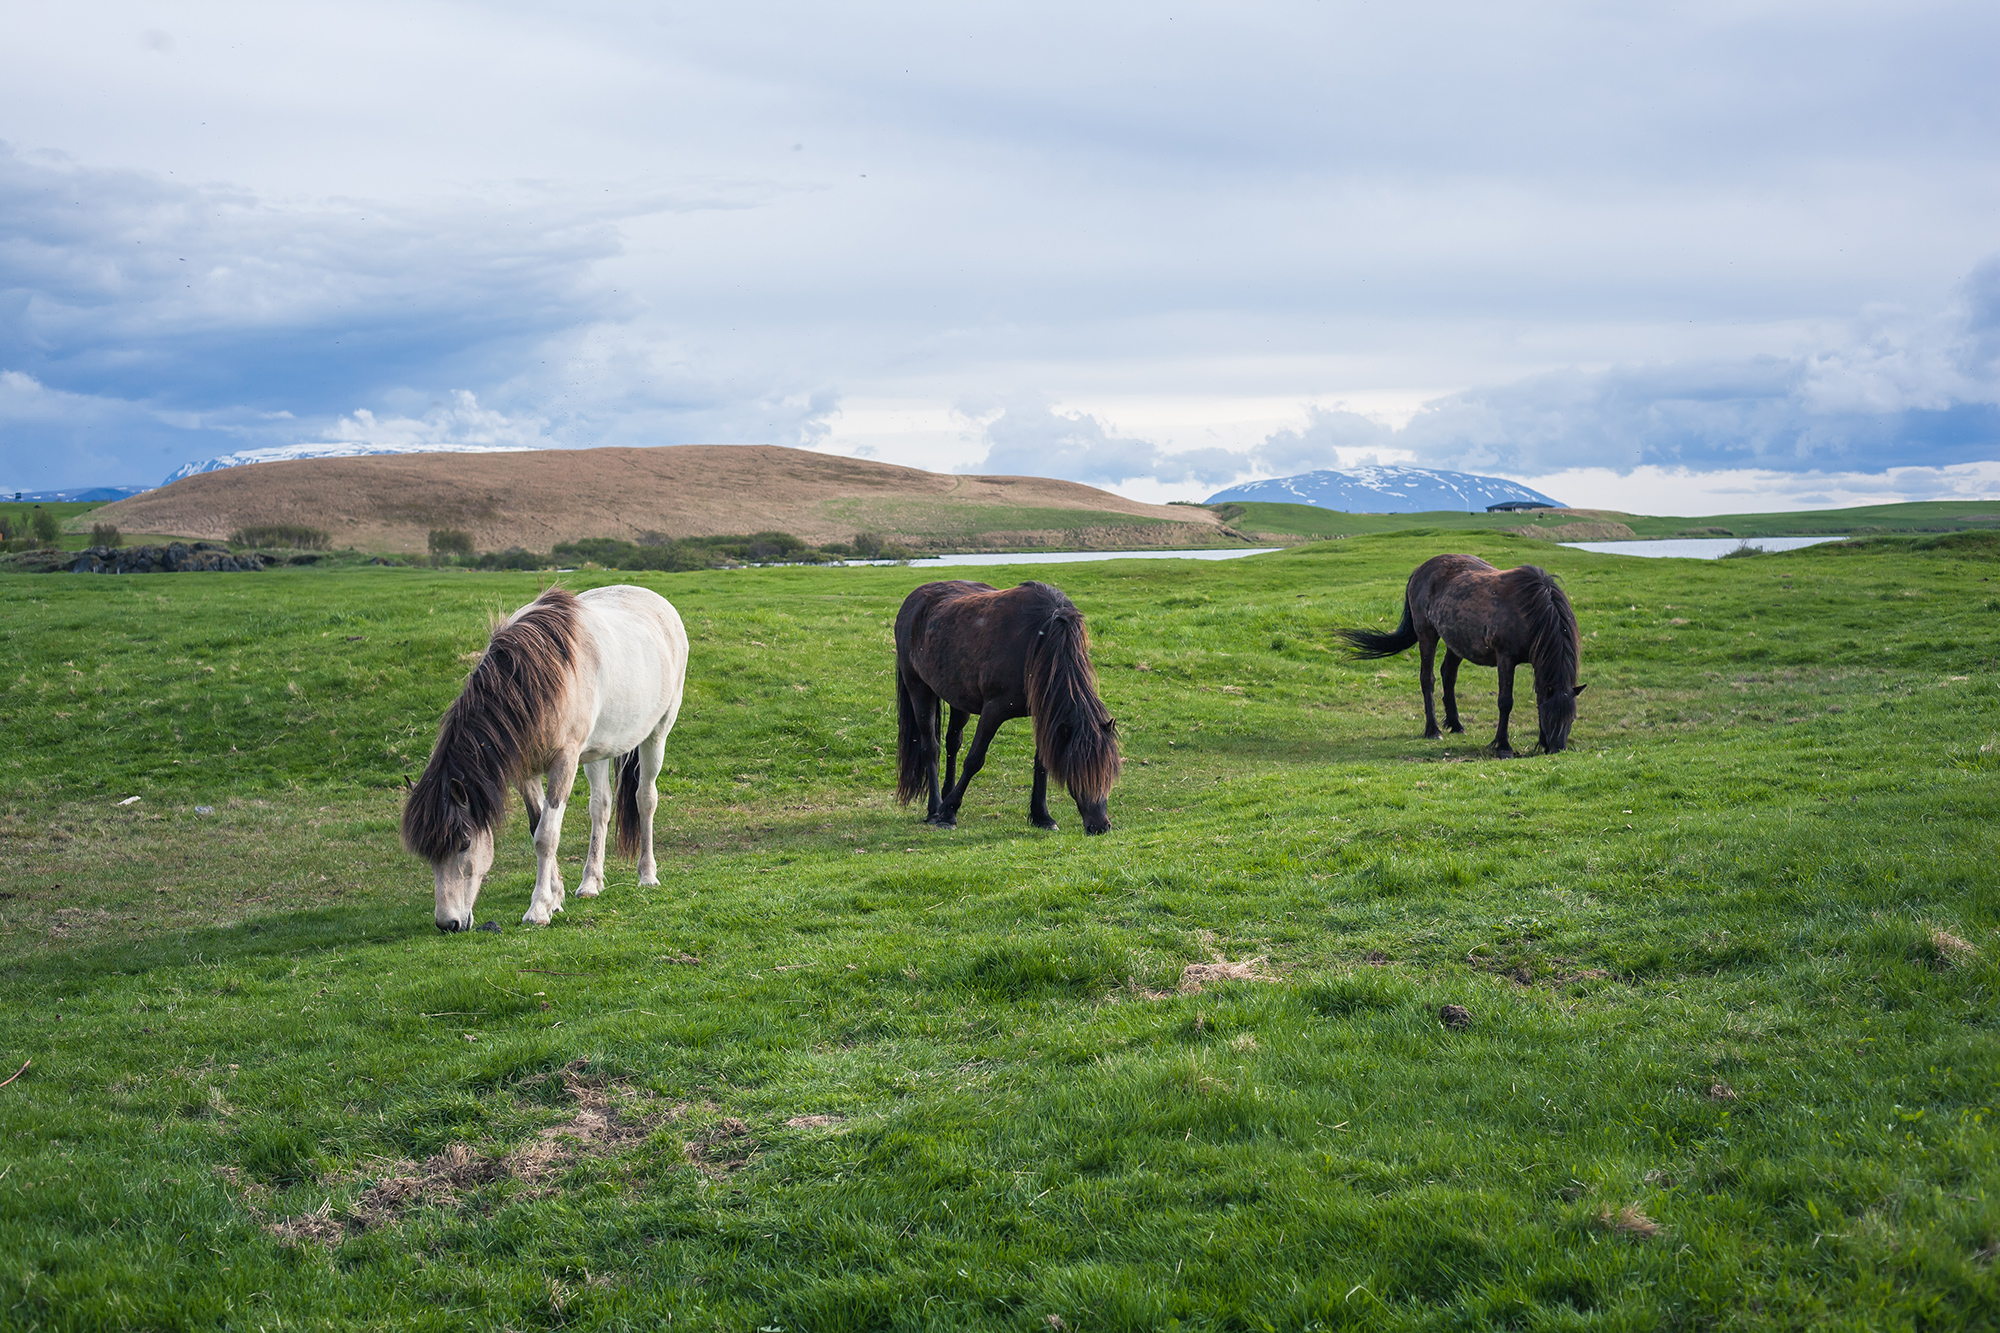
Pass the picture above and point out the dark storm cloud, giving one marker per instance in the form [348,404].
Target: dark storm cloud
[125,285]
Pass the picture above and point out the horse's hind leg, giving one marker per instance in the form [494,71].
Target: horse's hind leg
[975,759]
[1500,747]
[652,757]
[1427,643]
[602,777]
[1038,800]
[924,708]
[548,896]
[954,733]
[1450,675]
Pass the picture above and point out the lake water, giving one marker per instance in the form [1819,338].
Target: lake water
[1074,557]
[1698,548]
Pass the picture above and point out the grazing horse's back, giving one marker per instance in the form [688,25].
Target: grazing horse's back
[570,680]
[1489,617]
[1022,652]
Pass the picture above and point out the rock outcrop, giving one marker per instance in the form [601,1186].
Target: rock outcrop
[174,558]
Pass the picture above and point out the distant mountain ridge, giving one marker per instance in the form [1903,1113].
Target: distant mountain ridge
[1386,490]
[86,495]
[287,453]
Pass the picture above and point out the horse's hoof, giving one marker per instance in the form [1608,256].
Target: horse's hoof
[1433,734]
[532,920]
[589,891]
[1503,753]
[1048,824]
[944,823]
[1456,730]
[646,881]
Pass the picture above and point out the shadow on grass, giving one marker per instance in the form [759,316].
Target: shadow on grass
[310,931]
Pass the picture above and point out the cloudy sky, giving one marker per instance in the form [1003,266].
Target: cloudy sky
[1678,258]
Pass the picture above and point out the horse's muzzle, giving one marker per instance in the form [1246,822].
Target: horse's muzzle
[451,927]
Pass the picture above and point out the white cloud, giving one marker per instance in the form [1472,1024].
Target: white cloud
[1031,438]
[1679,491]
[461,422]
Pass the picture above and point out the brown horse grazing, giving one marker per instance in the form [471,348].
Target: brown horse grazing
[1491,618]
[1002,655]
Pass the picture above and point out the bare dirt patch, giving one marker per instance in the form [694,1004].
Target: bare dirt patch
[726,1147]
[606,1118]
[813,1121]
[1631,1221]
[1196,976]
[1948,950]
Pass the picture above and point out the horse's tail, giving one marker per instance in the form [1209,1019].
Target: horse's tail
[1075,736]
[915,738]
[1368,643]
[626,803]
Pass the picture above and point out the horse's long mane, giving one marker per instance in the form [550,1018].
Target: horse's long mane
[497,730]
[1074,732]
[1554,645]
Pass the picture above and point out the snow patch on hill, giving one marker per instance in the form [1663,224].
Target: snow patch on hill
[289,452]
[1386,490]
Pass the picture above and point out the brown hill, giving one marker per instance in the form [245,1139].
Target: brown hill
[391,502]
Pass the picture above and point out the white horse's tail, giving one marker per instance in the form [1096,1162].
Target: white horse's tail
[631,830]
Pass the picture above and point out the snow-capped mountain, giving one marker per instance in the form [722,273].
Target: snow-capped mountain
[289,452]
[1387,490]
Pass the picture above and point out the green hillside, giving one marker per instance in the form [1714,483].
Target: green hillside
[1283,520]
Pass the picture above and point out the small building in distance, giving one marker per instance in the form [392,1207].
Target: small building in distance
[1516,506]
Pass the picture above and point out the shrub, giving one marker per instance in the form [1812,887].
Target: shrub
[514,557]
[871,546]
[280,534]
[104,534]
[448,543]
[45,525]
[656,551]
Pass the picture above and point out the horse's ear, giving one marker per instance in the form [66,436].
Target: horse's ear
[458,794]
[1578,690]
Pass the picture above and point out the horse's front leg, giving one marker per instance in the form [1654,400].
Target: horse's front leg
[1500,746]
[1427,646]
[531,801]
[601,790]
[975,759]
[1450,674]
[1038,800]
[548,896]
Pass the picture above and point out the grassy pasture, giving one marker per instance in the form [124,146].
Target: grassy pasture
[1730,966]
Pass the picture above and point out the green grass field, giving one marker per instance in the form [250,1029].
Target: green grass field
[1730,966]
[1924,516]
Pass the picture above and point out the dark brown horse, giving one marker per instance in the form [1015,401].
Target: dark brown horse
[1002,655]
[1490,618]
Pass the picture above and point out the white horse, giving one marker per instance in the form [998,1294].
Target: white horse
[568,679]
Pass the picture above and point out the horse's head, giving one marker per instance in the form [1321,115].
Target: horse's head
[458,876]
[1092,768]
[1096,813]
[1556,710]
